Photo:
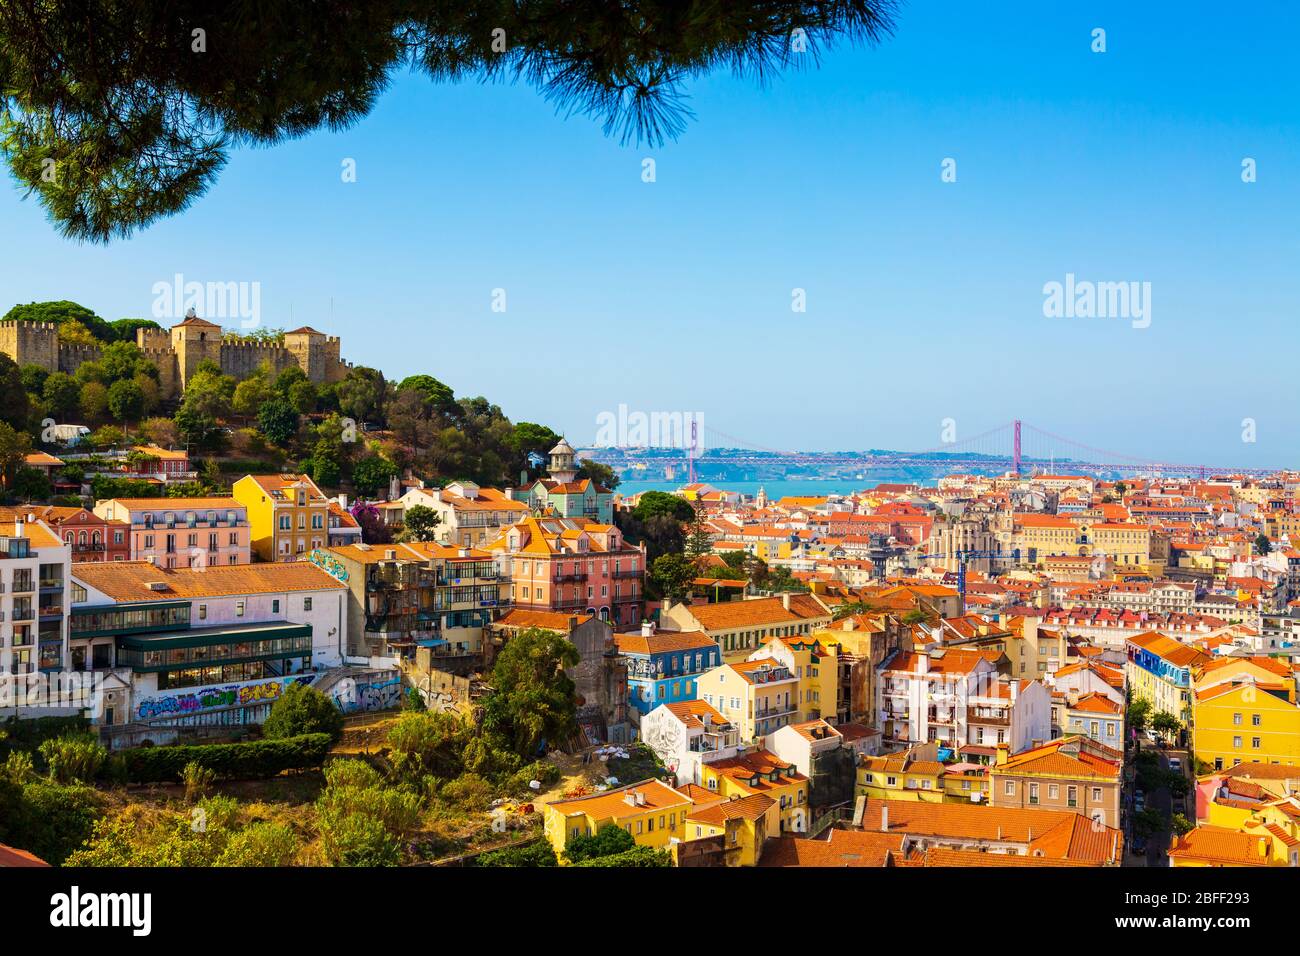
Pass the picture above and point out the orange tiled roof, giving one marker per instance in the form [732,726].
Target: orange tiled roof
[128,581]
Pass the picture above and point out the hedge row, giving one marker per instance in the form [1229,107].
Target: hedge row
[243,761]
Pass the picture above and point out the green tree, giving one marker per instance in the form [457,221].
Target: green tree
[427,742]
[537,853]
[32,484]
[139,126]
[608,840]
[125,401]
[533,699]
[1262,544]
[602,475]
[654,503]
[371,474]
[699,539]
[62,394]
[1139,712]
[94,401]
[251,394]
[278,421]
[303,710]
[119,360]
[672,574]
[421,523]
[14,404]
[439,396]
[14,447]
[1166,724]
[33,378]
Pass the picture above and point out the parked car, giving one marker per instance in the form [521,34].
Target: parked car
[1176,764]
[1139,801]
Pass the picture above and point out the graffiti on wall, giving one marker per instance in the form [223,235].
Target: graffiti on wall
[200,700]
[378,693]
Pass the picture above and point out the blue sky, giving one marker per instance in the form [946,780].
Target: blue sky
[924,298]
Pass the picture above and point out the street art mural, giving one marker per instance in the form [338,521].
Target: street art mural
[354,695]
[190,702]
[329,564]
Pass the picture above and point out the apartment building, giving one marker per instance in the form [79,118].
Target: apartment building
[205,644]
[180,532]
[1075,774]
[651,811]
[468,515]
[34,568]
[1159,670]
[417,594]
[759,697]
[88,536]
[663,666]
[567,565]
[288,515]
[741,627]
[688,734]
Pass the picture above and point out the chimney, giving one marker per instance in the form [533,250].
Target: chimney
[510,493]
[785,600]
[573,624]
[1004,752]
[391,554]
[18,527]
[884,817]
[640,798]
[923,663]
[630,798]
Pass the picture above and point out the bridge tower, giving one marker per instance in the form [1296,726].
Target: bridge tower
[693,450]
[1015,451]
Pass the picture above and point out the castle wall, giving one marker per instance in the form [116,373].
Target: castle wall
[72,355]
[241,359]
[31,343]
[178,352]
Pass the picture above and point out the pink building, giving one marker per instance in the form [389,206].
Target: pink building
[183,532]
[570,565]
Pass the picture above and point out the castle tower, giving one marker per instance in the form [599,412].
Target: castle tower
[194,340]
[761,500]
[562,468]
[308,348]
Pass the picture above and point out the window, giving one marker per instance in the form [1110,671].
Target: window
[203,612]
[1236,743]
[1010,788]
[1254,720]
[239,609]
[275,606]
[306,604]
[1254,742]
[1236,720]
[1033,793]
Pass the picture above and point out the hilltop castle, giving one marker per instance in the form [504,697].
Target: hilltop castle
[178,351]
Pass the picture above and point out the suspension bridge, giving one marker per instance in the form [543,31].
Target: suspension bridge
[1017,447]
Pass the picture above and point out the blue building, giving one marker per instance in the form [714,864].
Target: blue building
[662,666]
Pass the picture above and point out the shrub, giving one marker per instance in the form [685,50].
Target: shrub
[358,841]
[637,856]
[73,758]
[197,779]
[248,761]
[537,853]
[609,840]
[54,821]
[303,710]
[261,844]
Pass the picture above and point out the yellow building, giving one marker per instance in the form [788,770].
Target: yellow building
[744,823]
[917,774]
[1159,670]
[1255,844]
[1127,545]
[758,697]
[760,772]
[653,812]
[1246,722]
[815,665]
[287,514]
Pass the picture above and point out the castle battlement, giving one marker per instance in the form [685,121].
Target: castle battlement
[177,354]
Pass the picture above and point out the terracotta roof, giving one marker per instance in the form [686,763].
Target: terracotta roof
[745,808]
[755,613]
[550,620]
[13,857]
[128,581]
[1219,846]
[613,803]
[662,642]
[839,848]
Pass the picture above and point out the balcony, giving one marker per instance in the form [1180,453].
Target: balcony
[774,711]
[573,577]
[627,573]
[998,718]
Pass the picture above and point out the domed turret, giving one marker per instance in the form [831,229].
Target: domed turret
[562,467]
